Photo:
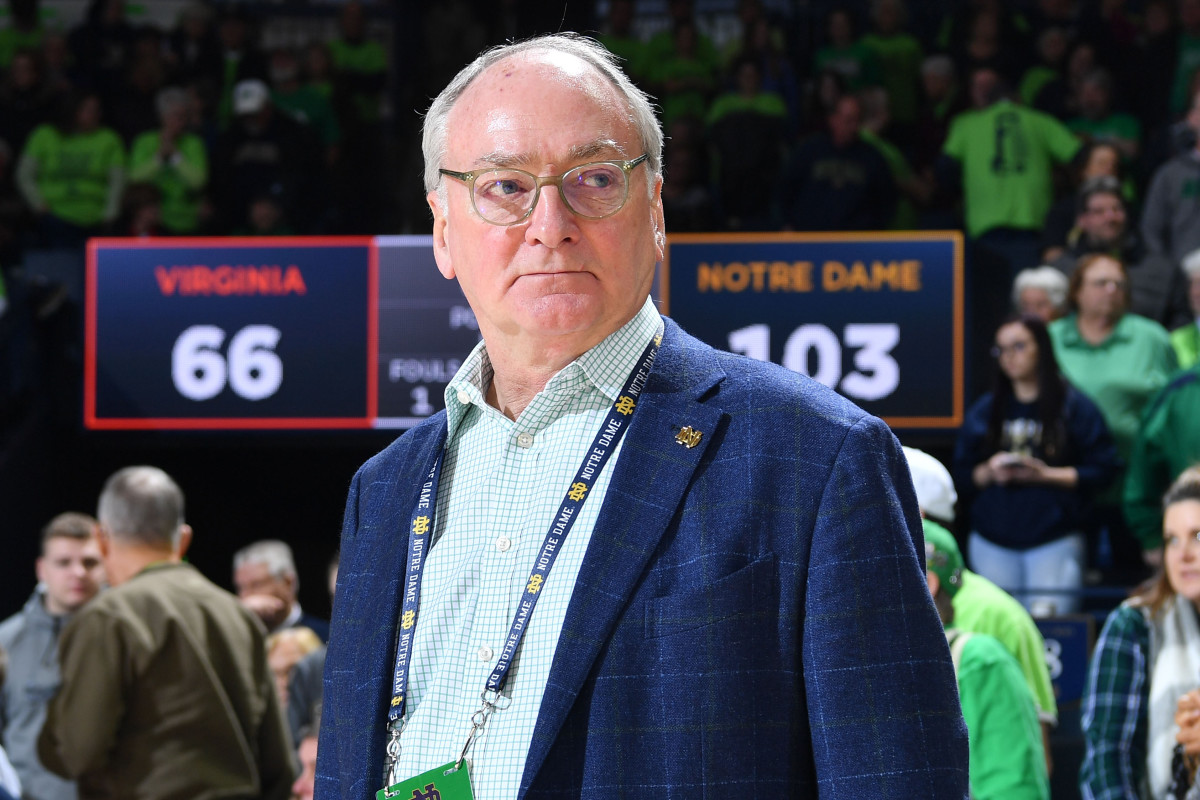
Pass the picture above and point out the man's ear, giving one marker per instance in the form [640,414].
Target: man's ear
[441,225]
[660,222]
[935,583]
[185,541]
[103,541]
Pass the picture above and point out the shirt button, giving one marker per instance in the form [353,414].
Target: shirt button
[503,543]
[464,397]
[485,654]
[524,440]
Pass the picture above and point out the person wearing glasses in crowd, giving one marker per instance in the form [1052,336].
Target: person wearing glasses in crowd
[1120,360]
[698,626]
[1030,456]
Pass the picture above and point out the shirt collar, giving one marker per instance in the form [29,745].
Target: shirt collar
[606,366]
[1073,338]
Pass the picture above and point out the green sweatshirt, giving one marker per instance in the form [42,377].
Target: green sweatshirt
[1167,444]
[180,178]
[77,177]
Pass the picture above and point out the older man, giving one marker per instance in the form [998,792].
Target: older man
[69,574]
[264,575]
[1101,226]
[726,599]
[166,690]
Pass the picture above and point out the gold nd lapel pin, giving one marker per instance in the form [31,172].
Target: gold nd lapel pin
[688,437]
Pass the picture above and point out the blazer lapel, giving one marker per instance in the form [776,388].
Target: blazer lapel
[367,633]
[655,468]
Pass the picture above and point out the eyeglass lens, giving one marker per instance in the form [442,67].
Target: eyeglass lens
[592,190]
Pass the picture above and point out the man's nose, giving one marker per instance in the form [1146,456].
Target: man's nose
[552,222]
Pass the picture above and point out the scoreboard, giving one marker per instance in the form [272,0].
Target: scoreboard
[876,316]
[364,332]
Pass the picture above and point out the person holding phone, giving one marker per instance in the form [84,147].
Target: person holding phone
[1029,456]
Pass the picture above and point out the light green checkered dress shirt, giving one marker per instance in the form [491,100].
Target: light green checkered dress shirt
[501,486]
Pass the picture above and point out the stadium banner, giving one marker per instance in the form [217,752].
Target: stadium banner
[876,316]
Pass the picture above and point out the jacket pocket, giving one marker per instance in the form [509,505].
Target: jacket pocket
[710,602]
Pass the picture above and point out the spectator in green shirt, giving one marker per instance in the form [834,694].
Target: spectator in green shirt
[174,160]
[1186,340]
[746,131]
[685,80]
[24,30]
[304,102]
[1046,76]
[359,80]
[1098,122]
[1007,758]
[621,41]
[1120,360]
[899,56]
[846,54]
[360,68]
[72,173]
[1007,153]
[663,46]
[1188,58]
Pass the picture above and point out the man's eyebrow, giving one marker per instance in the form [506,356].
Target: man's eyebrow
[580,152]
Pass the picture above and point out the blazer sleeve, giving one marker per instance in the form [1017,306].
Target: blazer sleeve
[332,739]
[882,701]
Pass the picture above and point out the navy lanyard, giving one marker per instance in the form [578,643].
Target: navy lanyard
[421,529]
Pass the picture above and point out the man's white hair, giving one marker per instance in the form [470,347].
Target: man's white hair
[276,555]
[1048,279]
[641,111]
[1191,264]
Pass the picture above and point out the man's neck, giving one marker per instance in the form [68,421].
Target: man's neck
[516,381]
[53,608]
[523,366]
[126,560]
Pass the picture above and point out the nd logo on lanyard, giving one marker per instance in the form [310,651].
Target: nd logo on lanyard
[452,781]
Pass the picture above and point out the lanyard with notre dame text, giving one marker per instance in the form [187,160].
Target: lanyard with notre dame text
[421,529]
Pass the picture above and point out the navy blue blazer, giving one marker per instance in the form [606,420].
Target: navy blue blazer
[751,619]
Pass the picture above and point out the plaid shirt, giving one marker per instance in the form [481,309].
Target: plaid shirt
[1115,703]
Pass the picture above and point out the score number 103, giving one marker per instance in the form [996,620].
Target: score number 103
[876,373]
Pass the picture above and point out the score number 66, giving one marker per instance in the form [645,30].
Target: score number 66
[876,372]
[251,367]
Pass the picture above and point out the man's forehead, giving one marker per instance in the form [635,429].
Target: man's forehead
[510,100]
[67,546]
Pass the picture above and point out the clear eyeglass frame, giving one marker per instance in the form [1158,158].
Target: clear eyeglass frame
[470,179]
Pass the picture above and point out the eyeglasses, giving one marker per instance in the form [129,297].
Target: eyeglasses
[1106,283]
[508,196]
[1015,347]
